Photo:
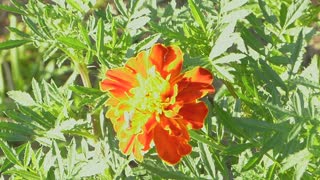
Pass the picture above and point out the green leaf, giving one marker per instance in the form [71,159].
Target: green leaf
[251,40]
[232,5]
[224,41]
[148,42]
[295,10]
[237,149]
[272,75]
[167,32]
[33,26]
[27,154]
[295,158]
[9,153]
[255,159]
[301,167]
[196,136]
[22,98]
[258,125]
[12,44]
[35,116]
[121,7]
[197,15]
[13,137]
[138,23]
[72,43]
[16,128]
[75,5]
[267,12]
[12,9]
[36,91]
[100,37]
[283,14]
[18,32]
[207,160]
[84,34]
[23,174]
[163,173]
[57,153]
[271,172]
[305,82]
[93,167]
[226,119]
[296,51]
[86,91]
[232,57]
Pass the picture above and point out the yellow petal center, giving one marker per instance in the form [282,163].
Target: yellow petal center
[149,96]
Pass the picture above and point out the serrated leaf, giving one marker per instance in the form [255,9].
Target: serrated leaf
[232,57]
[148,42]
[72,43]
[84,34]
[232,5]
[12,44]
[57,153]
[197,15]
[22,98]
[272,75]
[167,32]
[304,82]
[36,91]
[9,153]
[295,10]
[294,159]
[27,154]
[235,16]
[258,125]
[301,167]
[93,167]
[207,160]
[224,41]
[35,117]
[294,58]
[121,7]
[138,23]
[267,12]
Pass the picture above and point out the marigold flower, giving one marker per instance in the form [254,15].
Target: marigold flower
[151,100]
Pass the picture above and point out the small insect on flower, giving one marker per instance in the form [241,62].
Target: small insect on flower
[152,102]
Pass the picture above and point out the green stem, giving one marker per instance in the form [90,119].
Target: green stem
[83,71]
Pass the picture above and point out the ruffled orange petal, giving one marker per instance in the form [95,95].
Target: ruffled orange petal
[194,85]
[139,64]
[118,82]
[146,137]
[194,114]
[168,60]
[169,147]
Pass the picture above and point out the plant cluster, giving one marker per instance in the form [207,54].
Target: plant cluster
[263,121]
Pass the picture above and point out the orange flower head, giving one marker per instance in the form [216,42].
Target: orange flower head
[152,102]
